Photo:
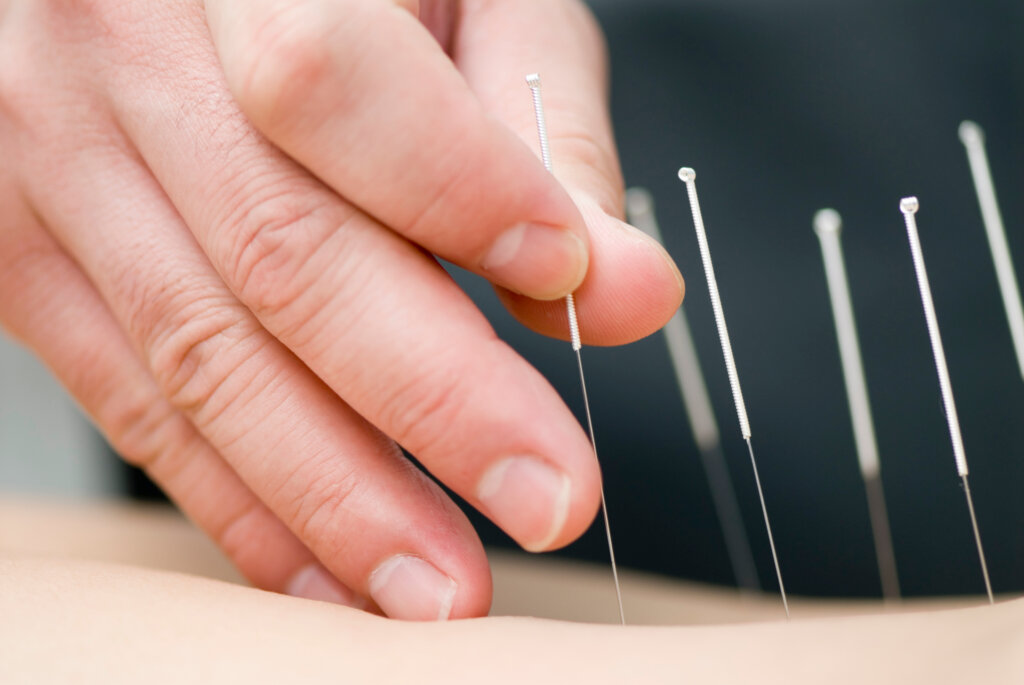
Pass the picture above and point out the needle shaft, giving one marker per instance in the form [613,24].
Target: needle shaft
[974,142]
[977,539]
[604,505]
[533,80]
[909,206]
[699,413]
[688,176]
[768,527]
[828,226]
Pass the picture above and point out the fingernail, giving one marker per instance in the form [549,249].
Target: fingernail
[543,262]
[410,588]
[528,498]
[314,582]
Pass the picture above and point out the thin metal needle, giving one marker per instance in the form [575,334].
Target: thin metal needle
[690,379]
[827,226]
[767,525]
[973,139]
[977,538]
[533,80]
[689,176]
[909,207]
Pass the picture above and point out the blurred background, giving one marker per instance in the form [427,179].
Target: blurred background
[782,108]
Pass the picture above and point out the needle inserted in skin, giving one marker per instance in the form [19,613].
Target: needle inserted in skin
[533,80]
[683,353]
[909,207]
[827,225]
[689,176]
[973,139]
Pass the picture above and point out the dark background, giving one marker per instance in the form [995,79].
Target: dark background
[785,107]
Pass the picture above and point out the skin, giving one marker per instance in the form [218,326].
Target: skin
[89,622]
[78,606]
[218,230]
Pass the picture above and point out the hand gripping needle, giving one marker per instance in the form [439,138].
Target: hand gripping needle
[827,225]
[689,176]
[909,206]
[973,139]
[683,353]
[533,80]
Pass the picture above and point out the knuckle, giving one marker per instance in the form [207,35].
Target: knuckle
[286,54]
[193,340]
[270,244]
[193,360]
[297,259]
[145,430]
[146,433]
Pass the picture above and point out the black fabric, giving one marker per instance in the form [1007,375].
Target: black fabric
[783,108]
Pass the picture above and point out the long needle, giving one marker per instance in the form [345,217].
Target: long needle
[909,207]
[973,139]
[827,225]
[689,176]
[683,353]
[533,80]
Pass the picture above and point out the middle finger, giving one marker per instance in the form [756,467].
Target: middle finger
[341,487]
[377,319]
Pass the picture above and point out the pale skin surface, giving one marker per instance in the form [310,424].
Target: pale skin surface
[64,618]
[217,227]
[73,621]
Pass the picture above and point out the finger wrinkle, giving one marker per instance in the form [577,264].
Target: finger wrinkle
[317,503]
[272,240]
[193,357]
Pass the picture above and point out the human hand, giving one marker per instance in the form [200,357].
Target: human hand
[216,228]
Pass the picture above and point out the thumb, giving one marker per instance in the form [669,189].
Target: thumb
[632,287]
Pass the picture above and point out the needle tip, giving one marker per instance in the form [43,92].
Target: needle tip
[909,205]
[827,221]
[970,132]
[686,174]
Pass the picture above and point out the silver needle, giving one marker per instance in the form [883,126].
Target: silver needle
[533,80]
[827,225]
[689,176]
[909,207]
[973,139]
[683,353]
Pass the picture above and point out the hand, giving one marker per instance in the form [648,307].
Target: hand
[217,230]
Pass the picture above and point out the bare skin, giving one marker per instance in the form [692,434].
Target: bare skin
[219,229]
[66,619]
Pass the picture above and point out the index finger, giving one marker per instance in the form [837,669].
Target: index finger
[362,95]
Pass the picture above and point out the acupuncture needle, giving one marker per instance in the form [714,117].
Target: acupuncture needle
[533,80]
[973,139]
[909,207]
[827,226]
[694,390]
[689,176]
